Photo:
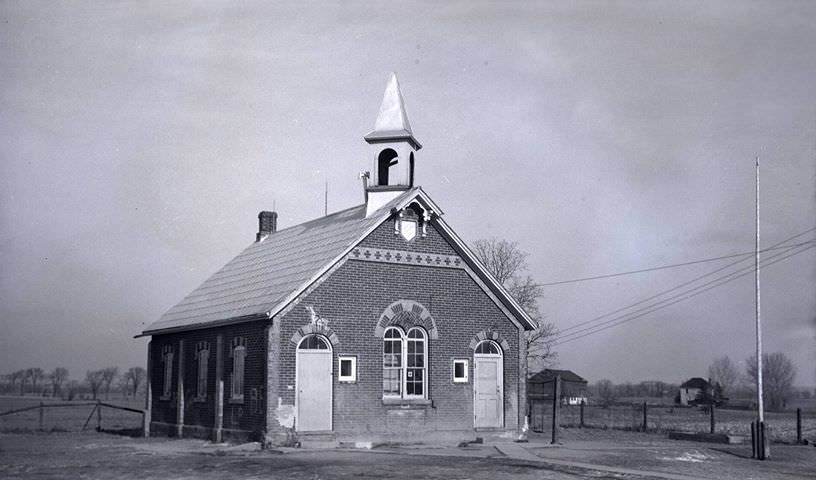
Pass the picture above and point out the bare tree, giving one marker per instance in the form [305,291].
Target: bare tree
[95,379]
[722,371]
[507,263]
[778,374]
[23,374]
[605,391]
[135,376]
[108,376]
[58,377]
[35,375]
[13,377]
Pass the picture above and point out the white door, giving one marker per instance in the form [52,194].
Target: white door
[489,395]
[314,385]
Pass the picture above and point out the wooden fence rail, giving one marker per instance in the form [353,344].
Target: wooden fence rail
[97,408]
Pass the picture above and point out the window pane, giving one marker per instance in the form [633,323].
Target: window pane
[345,367]
[459,369]
[391,381]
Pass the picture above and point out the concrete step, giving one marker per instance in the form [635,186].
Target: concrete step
[317,440]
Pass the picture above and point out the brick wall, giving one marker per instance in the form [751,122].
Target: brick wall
[248,415]
[353,298]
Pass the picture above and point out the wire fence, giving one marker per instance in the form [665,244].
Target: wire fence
[28,414]
[785,427]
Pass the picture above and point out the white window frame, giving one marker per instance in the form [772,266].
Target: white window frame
[403,367]
[463,379]
[239,352]
[352,378]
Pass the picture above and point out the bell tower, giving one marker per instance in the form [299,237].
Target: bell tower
[392,146]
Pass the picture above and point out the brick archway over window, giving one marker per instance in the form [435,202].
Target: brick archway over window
[310,328]
[489,335]
[406,314]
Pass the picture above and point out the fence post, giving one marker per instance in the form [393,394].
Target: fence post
[711,419]
[556,403]
[98,415]
[41,415]
[582,414]
[798,426]
[645,418]
[753,440]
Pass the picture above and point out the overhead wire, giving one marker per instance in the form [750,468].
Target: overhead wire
[684,296]
[664,267]
[687,283]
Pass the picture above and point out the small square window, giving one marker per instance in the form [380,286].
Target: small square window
[460,371]
[347,368]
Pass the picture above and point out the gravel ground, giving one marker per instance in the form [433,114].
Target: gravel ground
[655,452]
[102,456]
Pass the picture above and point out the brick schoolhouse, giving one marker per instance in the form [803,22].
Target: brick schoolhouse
[375,323]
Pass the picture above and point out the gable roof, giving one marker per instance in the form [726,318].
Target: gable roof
[268,275]
[695,382]
[548,374]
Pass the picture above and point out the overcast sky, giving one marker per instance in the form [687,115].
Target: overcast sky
[139,140]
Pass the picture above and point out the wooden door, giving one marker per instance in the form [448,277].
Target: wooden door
[488,402]
[314,394]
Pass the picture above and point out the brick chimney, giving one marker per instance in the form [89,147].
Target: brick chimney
[267,224]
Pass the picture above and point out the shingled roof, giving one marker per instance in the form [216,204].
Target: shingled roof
[268,275]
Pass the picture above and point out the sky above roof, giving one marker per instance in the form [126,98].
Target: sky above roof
[139,140]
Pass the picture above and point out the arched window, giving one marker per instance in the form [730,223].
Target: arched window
[313,342]
[405,363]
[392,363]
[386,160]
[488,347]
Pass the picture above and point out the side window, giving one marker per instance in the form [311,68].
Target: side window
[347,366]
[238,359]
[460,371]
[202,358]
[167,359]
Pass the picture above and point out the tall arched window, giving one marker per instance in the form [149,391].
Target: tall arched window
[405,363]
[392,363]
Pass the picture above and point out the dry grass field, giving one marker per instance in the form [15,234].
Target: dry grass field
[781,425]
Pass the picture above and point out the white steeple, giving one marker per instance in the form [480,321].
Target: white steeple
[392,146]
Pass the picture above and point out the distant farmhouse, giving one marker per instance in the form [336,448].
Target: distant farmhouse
[373,323]
[697,390]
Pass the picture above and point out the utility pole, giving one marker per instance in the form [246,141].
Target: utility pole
[762,449]
[326,200]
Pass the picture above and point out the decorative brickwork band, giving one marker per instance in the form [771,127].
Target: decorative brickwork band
[406,314]
[311,328]
[489,335]
[405,257]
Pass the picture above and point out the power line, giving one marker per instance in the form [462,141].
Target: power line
[684,284]
[683,296]
[741,271]
[674,265]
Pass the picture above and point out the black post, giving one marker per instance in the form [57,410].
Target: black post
[762,445]
[645,419]
[98,416]
[711,418]
[582,413]
[41,416]
[798,426]
[556,402]
[753,440]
